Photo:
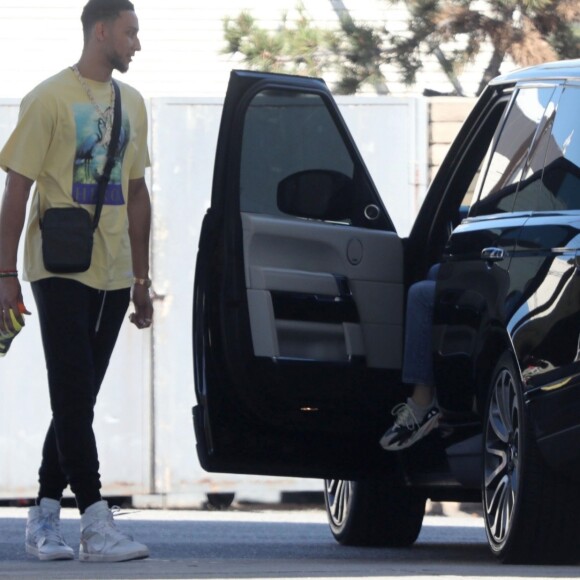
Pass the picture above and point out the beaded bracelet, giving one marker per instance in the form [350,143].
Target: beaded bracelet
[9,274]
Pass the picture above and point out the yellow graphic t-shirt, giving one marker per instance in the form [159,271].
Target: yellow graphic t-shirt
[60,142]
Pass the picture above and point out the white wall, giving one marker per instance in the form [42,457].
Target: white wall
[143,416]
[182,42]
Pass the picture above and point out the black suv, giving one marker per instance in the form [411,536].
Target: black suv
[299,301]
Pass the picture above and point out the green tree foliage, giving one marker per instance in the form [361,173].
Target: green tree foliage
[353,54]
[455,32]
[528,31]
[300,48]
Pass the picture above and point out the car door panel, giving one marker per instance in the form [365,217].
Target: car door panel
[544,325]
[298,301]
[307,266]
[478,284]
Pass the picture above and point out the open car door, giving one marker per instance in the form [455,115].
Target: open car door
[298,306]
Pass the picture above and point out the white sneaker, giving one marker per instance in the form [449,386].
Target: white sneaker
[101,541]
[43,536]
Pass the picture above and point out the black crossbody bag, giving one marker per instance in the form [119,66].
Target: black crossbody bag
[67,232]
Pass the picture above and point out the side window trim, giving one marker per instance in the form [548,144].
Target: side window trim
[493,144]
[487,157]
[545,126]
[367,194]
[502,127]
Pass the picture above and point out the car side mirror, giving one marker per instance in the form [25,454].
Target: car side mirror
[317,194]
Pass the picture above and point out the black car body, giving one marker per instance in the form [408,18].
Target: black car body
[299,301]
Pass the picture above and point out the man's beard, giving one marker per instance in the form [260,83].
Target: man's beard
[117,63]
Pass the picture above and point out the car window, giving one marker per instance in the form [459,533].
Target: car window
[458,177]
[478,156]
[286,133]
[295,162]
[510,151]
[554,183]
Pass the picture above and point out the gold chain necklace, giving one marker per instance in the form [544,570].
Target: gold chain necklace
[107,115]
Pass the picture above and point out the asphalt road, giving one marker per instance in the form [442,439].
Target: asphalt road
[267,543]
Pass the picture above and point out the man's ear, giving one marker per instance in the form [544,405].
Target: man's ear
[100,30]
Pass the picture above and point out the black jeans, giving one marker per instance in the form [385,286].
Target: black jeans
[79,327]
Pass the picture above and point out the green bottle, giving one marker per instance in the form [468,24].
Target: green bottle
[6,338]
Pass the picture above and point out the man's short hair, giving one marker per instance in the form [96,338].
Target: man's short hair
[97,10]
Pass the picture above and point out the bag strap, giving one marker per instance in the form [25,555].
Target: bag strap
[113,144]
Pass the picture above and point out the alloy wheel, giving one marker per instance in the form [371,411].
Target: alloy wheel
[502,464]
[338,497]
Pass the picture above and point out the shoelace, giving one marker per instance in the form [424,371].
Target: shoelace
[404,416]
[109,527]
[118,512]
[49,524]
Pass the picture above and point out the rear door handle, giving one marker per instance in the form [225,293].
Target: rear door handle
[493,254]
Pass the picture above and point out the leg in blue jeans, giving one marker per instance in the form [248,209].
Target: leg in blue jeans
[419,415]
[79,327]
[417,356]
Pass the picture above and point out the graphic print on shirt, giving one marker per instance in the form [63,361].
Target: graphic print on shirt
[91,157]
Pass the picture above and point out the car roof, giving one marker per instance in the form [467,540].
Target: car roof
[558,70]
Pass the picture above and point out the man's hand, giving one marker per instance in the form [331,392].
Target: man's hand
[143,315]
[12,216]
[11,305]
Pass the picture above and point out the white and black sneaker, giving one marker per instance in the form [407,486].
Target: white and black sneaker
[407,428]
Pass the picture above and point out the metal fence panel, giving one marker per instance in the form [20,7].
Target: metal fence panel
[143,417]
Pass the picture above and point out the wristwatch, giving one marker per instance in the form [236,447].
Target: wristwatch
[142,282]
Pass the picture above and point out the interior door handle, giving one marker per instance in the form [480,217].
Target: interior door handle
[493,254]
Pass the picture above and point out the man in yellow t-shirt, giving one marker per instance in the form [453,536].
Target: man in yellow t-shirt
[60,143]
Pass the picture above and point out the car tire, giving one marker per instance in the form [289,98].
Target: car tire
[530,513]
[372,513]
[219,501]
